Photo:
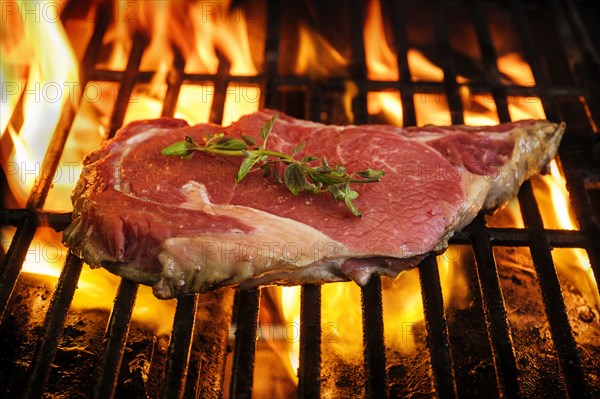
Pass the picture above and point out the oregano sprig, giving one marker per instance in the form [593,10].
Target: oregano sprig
[299,175]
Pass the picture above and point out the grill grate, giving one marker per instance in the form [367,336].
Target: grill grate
[186,374]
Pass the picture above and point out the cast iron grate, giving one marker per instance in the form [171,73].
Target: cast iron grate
[182,363]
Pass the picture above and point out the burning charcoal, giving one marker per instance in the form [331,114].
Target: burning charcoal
[72,354]
[135,385]
[586,314]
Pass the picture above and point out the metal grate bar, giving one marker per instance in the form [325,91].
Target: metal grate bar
[431,290]
[118,327]
[374,347]
[514,237]
[218,104]
[572,153]
[309,372]
[554,303]
[542,81]
[359,65]
[334,82]
[499,331]
[315,87]
[309,368]
[15,217]
[587,71]
[174,84]
[495,310]
[438,340]
[372,307]
[488,279]
[103,17]
[24,234]
[179,347]
[127,83]
[489,57]
[117,331]
[185,378]
[401,42]
[39,369]
[271,55]
[245,343]
[337,83]
[572,159]
[15,256]
[451,88]
[210,345]
[556,238]
[575,53]
[499,236]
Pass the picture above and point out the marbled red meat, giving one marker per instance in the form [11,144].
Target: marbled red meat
[185,226]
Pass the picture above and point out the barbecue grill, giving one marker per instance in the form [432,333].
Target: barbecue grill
[560,41]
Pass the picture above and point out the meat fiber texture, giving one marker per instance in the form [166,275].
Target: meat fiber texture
[185,226]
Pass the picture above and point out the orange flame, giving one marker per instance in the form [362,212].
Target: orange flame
[316,57]
[381,61]
[52,84]
[381,65]
[571,263]
[98,287]
[215,37]
[421,69]
[478,109]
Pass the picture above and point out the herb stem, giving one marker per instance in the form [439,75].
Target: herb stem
[298,174]
[256,152]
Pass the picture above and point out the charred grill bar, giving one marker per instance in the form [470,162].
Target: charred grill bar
[186,375]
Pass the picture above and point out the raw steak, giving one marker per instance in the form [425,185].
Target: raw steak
[185,226]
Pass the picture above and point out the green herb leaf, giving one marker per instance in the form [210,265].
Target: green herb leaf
[312,187]
[325,177]
[265,130]
[294,178]
[298,148]
[266,170]
[245,167]
[229,144]
[350,194]
[309,158]
[210,138]
[248,140]
[277,175]
[371,174]
[179,149]
[355,211]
